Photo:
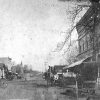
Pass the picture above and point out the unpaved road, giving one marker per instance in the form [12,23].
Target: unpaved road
[35,89]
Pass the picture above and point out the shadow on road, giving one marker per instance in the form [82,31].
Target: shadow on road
[69,93]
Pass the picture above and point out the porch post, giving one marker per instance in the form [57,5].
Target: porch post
[2,73]
[76,88]
[98,79]
[98,72]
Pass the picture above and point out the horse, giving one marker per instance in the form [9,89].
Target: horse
[49,77]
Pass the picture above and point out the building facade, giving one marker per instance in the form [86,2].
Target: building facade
[7,61]
[88,29]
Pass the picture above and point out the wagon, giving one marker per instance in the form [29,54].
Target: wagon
[3,83]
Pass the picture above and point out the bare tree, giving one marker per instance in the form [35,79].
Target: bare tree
[71,51]
[72,16]
[79,5]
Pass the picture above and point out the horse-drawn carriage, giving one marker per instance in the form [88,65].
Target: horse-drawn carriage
[53,79]
[6,75]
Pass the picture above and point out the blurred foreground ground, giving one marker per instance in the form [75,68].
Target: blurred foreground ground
[34,89]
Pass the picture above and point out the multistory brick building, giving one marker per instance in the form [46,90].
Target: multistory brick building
[88,29]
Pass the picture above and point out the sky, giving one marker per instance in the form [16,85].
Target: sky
[31,29]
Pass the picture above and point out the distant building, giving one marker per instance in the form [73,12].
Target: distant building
[56,68]
[6,61]
[17,68]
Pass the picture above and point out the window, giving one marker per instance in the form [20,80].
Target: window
[83,47]
[99,43]
[80,46]
[87,44]
[80,49]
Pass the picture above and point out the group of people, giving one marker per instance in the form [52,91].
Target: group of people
[57,78]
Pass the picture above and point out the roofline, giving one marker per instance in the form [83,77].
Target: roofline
[85,15]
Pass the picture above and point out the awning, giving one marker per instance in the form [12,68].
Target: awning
[76,63]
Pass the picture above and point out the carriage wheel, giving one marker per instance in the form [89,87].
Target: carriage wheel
[3,83]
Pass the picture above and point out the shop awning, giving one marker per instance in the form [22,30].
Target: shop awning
[76,63]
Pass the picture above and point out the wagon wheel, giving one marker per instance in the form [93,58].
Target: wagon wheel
[3,83]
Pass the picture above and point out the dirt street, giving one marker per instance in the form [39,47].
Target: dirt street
[35,89]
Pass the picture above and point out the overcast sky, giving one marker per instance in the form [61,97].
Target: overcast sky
[30,29]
